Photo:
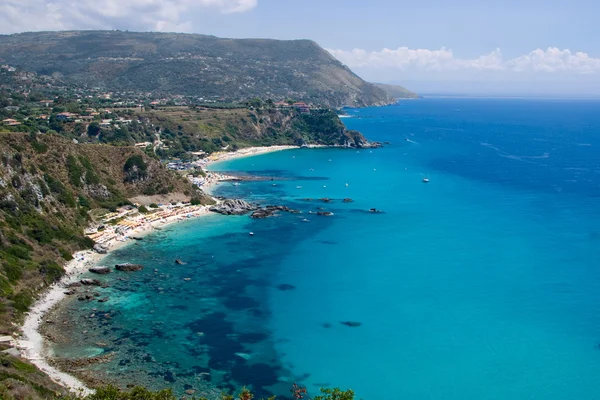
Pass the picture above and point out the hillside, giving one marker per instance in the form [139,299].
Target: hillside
[47,186]
[396,91]
[190,64]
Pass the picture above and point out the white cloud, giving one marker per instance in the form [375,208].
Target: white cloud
[156,15]
[403,58]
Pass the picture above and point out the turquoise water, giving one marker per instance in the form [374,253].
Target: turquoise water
[482,284]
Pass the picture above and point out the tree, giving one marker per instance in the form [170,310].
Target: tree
[93,129]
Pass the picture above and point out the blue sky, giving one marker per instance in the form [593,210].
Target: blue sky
[552,45]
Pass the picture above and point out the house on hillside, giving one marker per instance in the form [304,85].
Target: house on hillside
[66,116]
[46,103]
[10,122]
[302,107]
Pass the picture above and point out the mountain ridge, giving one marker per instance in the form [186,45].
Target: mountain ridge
[192,64]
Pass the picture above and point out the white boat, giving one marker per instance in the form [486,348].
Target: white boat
[236,184]
[251,233]
[425,180]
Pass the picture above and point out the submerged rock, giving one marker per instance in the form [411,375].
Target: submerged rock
[325,213]
[100,270]
[351,324]
[285,286]
[128,267]
[348,200]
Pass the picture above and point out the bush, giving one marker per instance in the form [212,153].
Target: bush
[195,201]
[153,205]
[143,209]
[22,301]
[52,271]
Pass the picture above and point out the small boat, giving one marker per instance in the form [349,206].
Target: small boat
[298,187]
[236,184]
[347,185]
[305,220]
[251,233]
[425,180]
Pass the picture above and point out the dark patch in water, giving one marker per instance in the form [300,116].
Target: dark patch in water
[285,287]
[256,337]
[351,324]
[259,375]
[326,325]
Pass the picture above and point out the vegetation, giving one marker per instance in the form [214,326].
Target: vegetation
[204,66]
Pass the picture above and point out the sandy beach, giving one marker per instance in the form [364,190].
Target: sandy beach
[32,344]
[247,152]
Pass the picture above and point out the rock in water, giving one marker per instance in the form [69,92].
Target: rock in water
[90,282]
[100,270]
[233,207]
[348,200]
[129,267]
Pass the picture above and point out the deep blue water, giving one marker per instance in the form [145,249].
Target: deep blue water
[482,284]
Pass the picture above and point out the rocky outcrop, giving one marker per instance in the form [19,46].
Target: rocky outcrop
[90,282]
[269,211]
[128,267]
[100,248]
[233,207]
[100,270]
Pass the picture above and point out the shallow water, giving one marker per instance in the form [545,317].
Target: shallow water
[481,284]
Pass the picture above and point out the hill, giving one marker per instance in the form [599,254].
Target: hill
[48,185]
[397,91]
[191,64]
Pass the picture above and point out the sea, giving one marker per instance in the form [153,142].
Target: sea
[483,283]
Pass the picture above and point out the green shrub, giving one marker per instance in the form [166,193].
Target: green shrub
[52,271]
[39,146]
[22,301]
[143,209]
[65,254]
[153,205]
[195,201]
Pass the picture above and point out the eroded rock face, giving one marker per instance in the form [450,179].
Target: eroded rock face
[233,207]
[129,267]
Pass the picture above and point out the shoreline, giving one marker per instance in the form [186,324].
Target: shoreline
[32,345]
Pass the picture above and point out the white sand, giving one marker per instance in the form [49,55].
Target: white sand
[32,344]
[247,152]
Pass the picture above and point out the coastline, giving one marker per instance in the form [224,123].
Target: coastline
[33,346]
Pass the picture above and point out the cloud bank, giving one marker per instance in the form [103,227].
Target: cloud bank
[154,15]
[551,60]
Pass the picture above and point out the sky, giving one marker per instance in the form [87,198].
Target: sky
[505,47]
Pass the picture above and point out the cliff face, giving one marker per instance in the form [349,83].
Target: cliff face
[212,130]
[189,64]
[47,186]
